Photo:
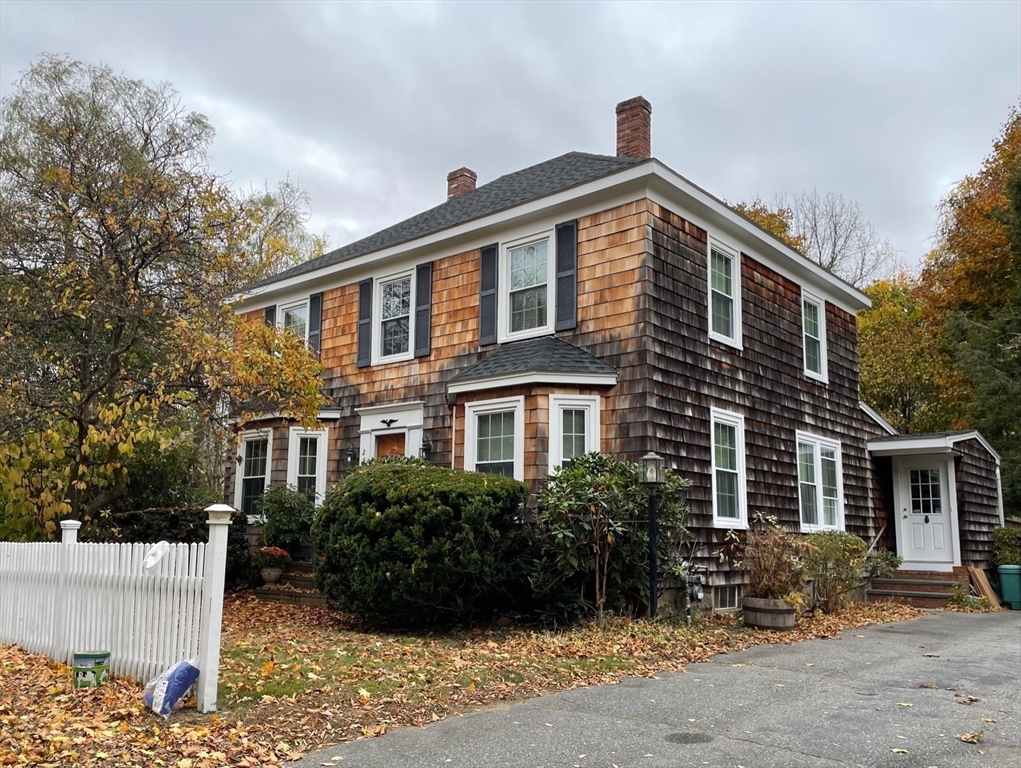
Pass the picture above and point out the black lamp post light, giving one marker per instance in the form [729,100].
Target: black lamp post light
[653,477]
[426,449]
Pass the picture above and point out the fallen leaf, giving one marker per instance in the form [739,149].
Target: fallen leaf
[971,738]
[904,704]
[898,751]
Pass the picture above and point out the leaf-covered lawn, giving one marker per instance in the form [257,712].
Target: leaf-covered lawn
[297,679]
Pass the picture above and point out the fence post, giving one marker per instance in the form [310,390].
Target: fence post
[61,642]
[212,606]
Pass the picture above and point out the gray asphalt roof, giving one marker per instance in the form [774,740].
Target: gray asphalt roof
[545,355]
[922,435]
[516,188]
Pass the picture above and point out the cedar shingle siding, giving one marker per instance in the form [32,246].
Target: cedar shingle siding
[978,506]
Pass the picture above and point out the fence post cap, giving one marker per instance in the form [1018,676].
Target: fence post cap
[219,514]
[70,525]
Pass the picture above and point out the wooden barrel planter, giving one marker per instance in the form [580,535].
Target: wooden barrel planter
[763,613]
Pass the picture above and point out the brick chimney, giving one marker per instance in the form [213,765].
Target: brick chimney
[460,181]
[634,128]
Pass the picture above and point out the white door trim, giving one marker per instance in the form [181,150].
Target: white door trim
[403,417]
[902,464]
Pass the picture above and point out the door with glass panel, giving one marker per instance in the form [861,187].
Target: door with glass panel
[923,508]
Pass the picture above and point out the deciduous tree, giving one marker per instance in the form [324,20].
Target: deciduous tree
[119,254]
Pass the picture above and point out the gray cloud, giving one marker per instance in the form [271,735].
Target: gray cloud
[371,105]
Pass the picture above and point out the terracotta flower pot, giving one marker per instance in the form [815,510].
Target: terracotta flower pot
[270,575]
[764,613]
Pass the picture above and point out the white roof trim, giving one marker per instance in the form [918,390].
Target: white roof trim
[651,174]
[928,444]
[496,382]
[874,415]
[329,414]
[408,405]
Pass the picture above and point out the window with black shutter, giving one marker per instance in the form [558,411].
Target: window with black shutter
[488,281]
[365,323]
[423,309]
[567,276]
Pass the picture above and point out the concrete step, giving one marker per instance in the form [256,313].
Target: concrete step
[289,596]
[299,580]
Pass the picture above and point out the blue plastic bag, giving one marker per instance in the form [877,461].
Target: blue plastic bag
[162,693]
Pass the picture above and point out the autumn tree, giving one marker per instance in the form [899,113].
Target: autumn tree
[119,254]
[905,375]
[830,230]
[279,238]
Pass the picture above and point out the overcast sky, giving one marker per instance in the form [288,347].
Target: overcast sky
[369,106]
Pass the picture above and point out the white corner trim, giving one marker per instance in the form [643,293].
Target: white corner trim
[999,494]
[955,533]
[496,382]
[591,404]
[880,421]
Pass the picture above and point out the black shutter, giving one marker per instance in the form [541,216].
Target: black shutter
[315,321]
[271,315]
[423,308]
[365,323]
[567,276]
[488,281]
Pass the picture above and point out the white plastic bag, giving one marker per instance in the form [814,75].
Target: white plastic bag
[166,691]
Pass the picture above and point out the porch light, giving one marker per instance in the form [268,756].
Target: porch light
[352,456]
[653,471]
[426,449]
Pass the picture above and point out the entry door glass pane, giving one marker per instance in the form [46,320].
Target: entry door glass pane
[925,492]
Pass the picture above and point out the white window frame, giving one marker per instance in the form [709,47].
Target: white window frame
[735,420]
[820,304]
[502,405]
[503,324]
[253,434]
[283,309]
[735,256]
[734,589]
[591,404]
[817,441]
[322,443]
[377,317]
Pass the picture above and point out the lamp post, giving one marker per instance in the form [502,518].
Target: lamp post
[653,476]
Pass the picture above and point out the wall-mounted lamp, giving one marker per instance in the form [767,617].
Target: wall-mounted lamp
[352,456]
[426,449]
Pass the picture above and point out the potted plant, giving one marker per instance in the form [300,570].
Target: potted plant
[1007,559]
[773,559]
[271,562]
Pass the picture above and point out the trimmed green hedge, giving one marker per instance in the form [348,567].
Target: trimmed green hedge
[1007,546]
[405,542]
[185,525]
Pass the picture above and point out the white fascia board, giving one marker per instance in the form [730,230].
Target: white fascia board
[497,382]
[925,444]
[712,214]
[880,421]
[373,410]
[607,192]
[975,435]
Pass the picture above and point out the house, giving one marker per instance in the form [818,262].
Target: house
[592,302]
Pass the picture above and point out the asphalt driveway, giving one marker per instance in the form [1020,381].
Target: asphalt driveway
[890,695]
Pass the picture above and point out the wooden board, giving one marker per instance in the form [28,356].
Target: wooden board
[981,583]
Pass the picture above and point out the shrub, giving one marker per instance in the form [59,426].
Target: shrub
[402,541]
[289,515]
[178,526]
[1007,546]
[880,563]
[591,543]
[836,562]
[774,559]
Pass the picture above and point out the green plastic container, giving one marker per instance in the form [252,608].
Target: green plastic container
[1010,585]
[90,669]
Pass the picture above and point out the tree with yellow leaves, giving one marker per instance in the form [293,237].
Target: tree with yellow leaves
[120,253]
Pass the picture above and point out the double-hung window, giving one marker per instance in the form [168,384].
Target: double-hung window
[813,313]
[527,274]
[724,293]
[495,437]
[394,317]
[306,461]
[573,428]
[294,319]
[728,468]
[820,483]
[253,471]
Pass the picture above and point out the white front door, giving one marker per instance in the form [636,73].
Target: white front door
[925,515]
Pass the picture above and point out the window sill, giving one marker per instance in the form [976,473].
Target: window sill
[821,528]
[730,524]
[401,358]
[816,377]
[534,333]
[733,343]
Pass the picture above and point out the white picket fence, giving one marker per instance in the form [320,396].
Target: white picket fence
[60,598]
